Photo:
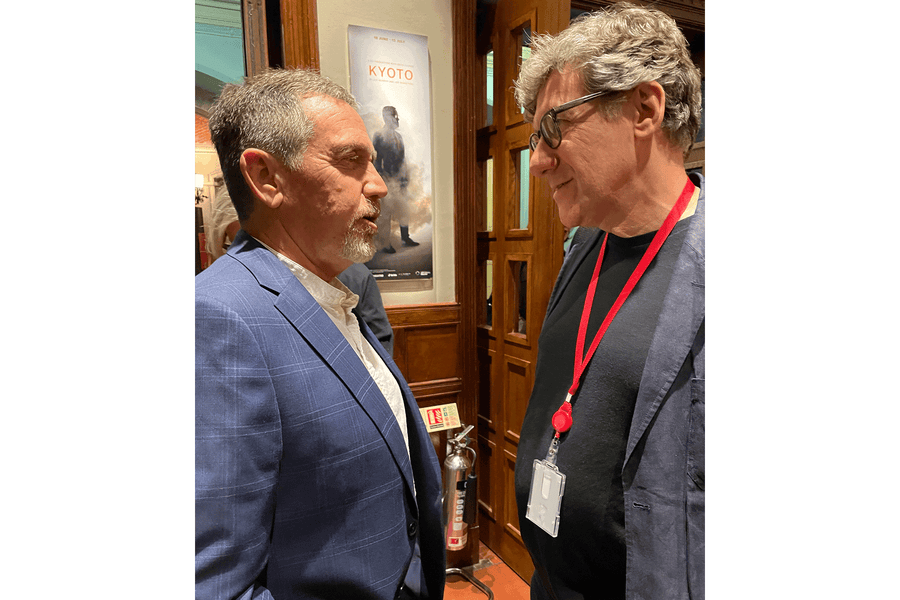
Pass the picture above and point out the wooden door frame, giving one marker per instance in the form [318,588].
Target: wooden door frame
[300,33]
[465,123]
[280,33]
[503,353]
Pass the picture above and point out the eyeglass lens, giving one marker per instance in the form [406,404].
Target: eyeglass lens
[549,131]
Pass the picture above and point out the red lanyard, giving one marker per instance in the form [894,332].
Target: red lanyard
[562,418]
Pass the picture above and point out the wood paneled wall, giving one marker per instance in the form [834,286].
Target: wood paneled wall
[427,350]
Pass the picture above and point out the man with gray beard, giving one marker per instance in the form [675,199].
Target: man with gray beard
[315,477]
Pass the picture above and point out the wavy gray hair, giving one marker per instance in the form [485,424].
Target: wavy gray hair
[265,112]
[616,49]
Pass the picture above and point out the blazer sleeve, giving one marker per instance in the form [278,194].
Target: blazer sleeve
[237,451]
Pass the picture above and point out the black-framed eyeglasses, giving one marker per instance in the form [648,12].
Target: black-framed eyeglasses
[549,129]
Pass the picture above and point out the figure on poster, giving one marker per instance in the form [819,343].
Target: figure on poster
[390,162]
[610,474]
[315,474]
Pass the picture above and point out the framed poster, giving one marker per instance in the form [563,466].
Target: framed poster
[390,78]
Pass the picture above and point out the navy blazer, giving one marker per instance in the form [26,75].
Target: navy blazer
[304,488]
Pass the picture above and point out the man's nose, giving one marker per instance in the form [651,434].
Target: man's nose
[375,186]
[541,160]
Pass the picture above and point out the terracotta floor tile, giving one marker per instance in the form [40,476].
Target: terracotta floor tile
[493,573]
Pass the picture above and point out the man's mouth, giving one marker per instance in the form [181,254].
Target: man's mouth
[372,219]
[558,187]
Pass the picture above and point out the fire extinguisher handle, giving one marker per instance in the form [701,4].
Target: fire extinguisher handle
[469,512]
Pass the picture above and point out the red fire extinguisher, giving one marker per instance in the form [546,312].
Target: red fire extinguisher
[460,493]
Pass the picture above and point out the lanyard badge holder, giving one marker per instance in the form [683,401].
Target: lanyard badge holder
[547,483]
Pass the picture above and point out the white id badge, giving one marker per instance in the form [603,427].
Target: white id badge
[545,497]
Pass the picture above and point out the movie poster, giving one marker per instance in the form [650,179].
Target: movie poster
[390,78]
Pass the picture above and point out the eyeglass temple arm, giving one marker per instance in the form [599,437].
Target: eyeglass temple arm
[577,101]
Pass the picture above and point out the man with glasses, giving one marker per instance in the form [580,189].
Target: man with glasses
[610,467]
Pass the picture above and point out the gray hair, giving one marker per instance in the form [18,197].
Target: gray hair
[615,50]
[265,112]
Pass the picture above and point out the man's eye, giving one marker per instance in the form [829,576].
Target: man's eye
[355,161]
[563,124]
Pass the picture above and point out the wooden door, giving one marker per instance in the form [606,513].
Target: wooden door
[519,253]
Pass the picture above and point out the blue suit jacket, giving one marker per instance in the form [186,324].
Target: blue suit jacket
[304,488]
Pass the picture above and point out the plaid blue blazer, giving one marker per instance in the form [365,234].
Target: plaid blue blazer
[304,488]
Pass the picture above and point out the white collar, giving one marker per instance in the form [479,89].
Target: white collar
[333,293]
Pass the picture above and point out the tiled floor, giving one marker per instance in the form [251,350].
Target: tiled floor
[490,570]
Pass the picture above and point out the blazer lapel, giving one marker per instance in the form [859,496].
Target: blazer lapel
[316,327]
[396,442]
[682,314]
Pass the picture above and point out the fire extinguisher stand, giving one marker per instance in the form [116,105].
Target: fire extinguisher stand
[460,500]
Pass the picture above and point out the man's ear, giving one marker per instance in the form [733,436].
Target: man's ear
[261,172]
[649,100]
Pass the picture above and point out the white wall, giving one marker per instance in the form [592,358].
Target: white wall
[431,18]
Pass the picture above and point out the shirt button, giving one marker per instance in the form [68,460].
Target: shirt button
[412,529]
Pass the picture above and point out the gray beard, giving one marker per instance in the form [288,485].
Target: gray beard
[357,248]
